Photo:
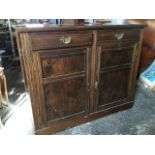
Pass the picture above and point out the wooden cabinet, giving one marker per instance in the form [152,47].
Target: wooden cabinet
[74,74]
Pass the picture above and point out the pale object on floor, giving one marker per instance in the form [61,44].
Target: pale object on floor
[148,76]
[1,125]
[21,122]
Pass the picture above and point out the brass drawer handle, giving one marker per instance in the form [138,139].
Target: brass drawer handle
[66,40]
[96,85]
[119,36]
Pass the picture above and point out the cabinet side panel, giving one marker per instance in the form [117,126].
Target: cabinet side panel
[135,65]
[32,67]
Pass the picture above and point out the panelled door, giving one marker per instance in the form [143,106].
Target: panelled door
[65,74]
[115,64]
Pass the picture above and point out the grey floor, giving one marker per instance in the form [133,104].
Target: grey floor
[138,120]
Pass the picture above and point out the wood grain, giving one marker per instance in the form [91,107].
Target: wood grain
[65,98]
[70,61]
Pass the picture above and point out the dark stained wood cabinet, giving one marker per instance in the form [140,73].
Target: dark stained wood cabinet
[74,74]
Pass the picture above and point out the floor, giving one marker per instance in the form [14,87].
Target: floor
[138,120]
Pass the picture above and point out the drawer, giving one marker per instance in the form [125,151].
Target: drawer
[50,40]
[117,35]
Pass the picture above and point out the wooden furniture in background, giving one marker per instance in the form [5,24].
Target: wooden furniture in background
[148,45]
[3,87]
[72,21]
[102,21]
[1,124]
[7,41]
[74,74]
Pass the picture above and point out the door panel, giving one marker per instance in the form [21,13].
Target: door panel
[63,65]
[62,62]
[65,98]
[116,56]
[113,87]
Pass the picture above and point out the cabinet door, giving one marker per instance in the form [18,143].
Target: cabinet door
[65,83]
[114,73]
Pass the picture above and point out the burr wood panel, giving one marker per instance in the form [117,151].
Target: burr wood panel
[113,87]
[65,98]
[60,62]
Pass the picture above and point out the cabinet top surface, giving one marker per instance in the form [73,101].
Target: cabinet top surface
[41,27]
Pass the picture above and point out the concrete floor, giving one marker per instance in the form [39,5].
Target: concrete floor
[139,120]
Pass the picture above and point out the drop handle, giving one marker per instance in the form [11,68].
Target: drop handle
[119,36]
[96,85]
[66,40]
